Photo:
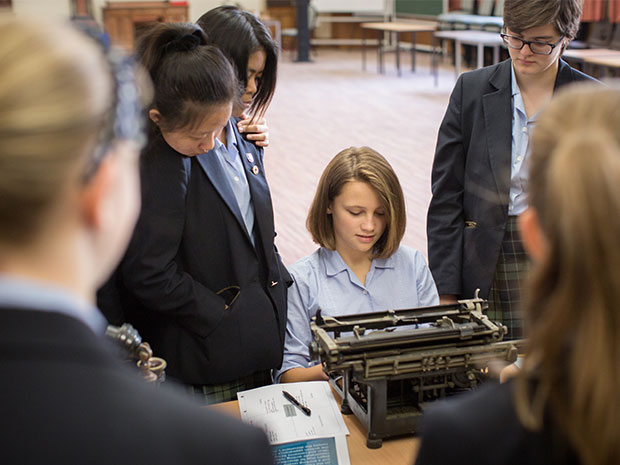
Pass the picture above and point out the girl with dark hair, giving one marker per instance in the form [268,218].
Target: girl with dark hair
[194,87]
[201,278]
[249,46]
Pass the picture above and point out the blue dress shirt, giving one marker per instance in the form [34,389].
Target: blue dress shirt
[230,160]
[522,127]
[35,295]
[323,280]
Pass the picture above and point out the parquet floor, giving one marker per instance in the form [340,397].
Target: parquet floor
[322,107]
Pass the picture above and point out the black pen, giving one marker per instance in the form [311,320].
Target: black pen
[296,403]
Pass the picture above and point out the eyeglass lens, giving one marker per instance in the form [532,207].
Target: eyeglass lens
[540,48]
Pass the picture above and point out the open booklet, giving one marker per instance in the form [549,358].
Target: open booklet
[304,426]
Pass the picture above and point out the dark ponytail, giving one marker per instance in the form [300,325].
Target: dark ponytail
[238,34]
[188,75]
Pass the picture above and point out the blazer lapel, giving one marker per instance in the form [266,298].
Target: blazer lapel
[261,198]
[498,128]
[212,168]
[565,75]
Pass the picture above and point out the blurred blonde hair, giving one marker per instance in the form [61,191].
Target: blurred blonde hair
[55,92]
[572,371]
[366,165]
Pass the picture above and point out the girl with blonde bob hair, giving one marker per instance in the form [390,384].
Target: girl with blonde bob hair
[563,407]
[358,219]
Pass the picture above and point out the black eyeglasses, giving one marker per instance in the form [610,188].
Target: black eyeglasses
[539,48]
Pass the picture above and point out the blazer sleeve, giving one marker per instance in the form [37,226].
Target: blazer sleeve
[445,213]
[149,270]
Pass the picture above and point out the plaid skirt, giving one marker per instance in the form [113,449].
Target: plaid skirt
[510,274]
[215,393]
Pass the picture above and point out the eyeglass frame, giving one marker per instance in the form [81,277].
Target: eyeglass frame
[529,42]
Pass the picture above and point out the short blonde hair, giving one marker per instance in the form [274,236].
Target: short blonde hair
[55,92]
[366,165]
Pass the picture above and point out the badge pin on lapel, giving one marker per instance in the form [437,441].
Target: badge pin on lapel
[250,157]
[255,170]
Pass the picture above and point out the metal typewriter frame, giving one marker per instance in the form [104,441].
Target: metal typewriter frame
[453,354]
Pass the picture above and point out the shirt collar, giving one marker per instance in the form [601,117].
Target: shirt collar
[513,81]
[518,99]
[334,263]
[30,294]
[231,140]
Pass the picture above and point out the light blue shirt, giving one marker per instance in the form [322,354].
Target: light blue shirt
[323,280]
[521,130]
[32,295]
[230,160]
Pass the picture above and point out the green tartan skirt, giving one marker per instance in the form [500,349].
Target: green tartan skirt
[215,393]
[510,274]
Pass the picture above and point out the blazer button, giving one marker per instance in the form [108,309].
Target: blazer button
[274,283]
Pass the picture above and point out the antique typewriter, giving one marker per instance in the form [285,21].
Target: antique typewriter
[387,366]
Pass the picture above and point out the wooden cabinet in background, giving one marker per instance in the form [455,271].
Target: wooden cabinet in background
[123,20]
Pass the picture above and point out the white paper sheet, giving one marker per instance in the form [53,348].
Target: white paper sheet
[268,409]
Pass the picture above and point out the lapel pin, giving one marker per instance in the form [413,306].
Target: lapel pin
[250,157]
[255,170]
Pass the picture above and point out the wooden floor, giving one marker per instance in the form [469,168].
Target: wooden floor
[325,106]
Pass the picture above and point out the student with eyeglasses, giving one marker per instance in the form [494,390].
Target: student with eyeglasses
[71,132]
[481,158]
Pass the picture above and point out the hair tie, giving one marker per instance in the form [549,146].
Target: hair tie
[185,43]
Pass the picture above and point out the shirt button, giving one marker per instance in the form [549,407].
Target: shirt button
[365,292]
[519,158]
[236,178]
[524,129]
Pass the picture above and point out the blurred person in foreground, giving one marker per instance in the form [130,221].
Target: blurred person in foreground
[563,406]
[70,134]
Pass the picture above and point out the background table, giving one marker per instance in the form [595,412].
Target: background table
[480,39]
[606,62]
[394,451]
[397,29]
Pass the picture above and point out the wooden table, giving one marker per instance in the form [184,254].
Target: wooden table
[606,62]
[397,29]
[589,53]
[393,452]
[480,39]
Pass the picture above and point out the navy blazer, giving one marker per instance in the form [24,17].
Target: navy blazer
[67,400]
[468,211]
[482,428]
[207,300]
